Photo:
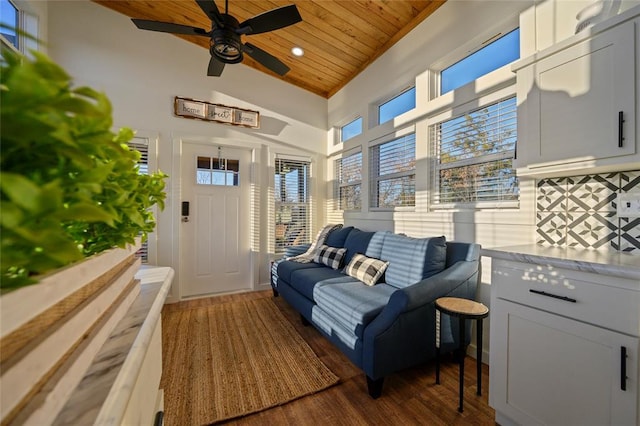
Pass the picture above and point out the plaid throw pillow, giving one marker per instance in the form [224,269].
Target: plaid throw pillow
[330,256]
[366,269]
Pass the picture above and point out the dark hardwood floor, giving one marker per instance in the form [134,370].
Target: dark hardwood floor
[410,397]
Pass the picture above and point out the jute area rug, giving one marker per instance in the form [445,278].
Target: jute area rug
[232,359]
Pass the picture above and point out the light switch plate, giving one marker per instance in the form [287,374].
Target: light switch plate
[629,204]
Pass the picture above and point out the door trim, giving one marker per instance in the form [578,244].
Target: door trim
[176,194]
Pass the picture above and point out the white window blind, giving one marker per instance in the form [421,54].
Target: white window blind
[349,181]
[292,203]
[392,172]
[474,155]
[142,146]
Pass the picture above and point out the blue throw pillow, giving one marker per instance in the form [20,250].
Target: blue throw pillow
[356,242]
[337,237]
[412,259]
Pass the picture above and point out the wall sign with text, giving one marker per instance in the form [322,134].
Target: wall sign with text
[190,108]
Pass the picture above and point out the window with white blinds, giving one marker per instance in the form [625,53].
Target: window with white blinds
[292,203]
[349,181]
[473,156]
[142,146]
[392,168]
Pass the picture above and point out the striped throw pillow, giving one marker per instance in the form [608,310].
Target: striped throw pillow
[330,256]
[366,269]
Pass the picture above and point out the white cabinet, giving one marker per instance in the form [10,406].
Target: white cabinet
[578,102]
[564,346]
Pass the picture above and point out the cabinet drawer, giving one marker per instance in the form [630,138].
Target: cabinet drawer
[613,303]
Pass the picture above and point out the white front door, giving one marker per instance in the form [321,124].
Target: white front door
[214,237]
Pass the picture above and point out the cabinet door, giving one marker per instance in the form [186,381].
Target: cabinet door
[577,95]
[547,369]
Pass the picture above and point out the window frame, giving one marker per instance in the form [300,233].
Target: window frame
[340,130]
[339,184]
[278,205]
[391,98]
[5,41]
[374,173]
[485,90]
[28,23]
[456,112]
[147,144]
[490,41]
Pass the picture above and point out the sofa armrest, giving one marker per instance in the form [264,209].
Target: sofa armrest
[439,285]
[403,334]
[426,291]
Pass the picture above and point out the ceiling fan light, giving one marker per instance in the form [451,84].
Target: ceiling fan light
[226,46]
[297,51]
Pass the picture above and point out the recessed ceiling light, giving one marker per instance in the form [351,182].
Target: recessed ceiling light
[297,51]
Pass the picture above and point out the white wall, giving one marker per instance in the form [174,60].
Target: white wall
[142,71]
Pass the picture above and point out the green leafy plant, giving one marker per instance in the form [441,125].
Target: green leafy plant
[69,186]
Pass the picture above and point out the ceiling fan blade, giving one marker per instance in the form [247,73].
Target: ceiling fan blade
[167,27]
[266,59]
[211,10]
[215,67]
[271,20]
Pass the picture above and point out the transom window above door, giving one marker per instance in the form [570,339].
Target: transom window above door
[217,171]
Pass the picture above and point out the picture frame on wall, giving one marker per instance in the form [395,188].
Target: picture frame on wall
[194,109]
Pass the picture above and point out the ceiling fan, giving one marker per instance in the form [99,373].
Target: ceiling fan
[225,45]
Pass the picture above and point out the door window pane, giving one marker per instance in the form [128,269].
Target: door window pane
[217,171]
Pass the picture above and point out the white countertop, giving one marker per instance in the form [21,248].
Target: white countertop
[102,395]
[616,264]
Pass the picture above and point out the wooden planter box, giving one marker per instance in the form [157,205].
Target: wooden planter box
[51,331]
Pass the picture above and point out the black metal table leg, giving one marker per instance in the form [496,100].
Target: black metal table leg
[479,354]
[463,309]
[439,335]
[462,354]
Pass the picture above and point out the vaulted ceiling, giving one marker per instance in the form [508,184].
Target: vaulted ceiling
[340,38]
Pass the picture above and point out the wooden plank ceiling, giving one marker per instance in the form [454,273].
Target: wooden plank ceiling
[340,37]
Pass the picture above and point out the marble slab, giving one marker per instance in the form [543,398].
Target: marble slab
[102,395]
[615,264]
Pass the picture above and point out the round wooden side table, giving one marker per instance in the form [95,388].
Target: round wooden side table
[463,309]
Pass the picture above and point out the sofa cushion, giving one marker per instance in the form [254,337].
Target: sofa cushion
[366,269]
[330,256]
[352,304]
[304,280]
[337,237]
[412,259]
[356,242]
[287,267]
[374,249]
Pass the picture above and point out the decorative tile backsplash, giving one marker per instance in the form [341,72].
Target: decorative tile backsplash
[581,211]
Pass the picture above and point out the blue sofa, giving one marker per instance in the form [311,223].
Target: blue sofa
[389,326]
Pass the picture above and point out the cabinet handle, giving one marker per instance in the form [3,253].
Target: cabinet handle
[620,134]
[623,368]
[555,296]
